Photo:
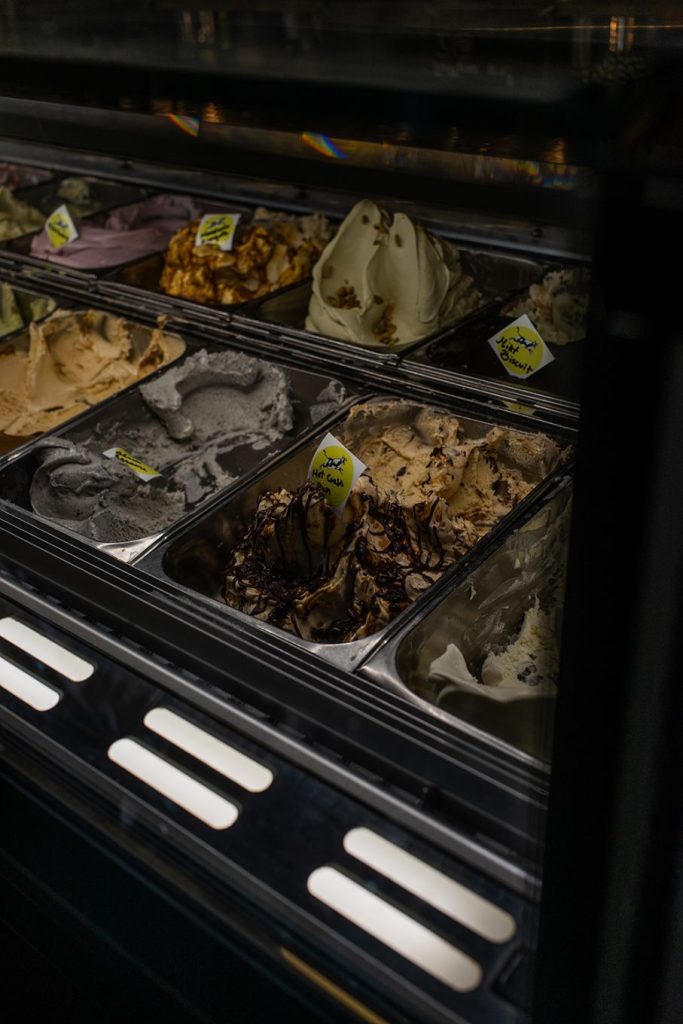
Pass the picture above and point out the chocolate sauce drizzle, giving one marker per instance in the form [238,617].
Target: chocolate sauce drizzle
[334,580]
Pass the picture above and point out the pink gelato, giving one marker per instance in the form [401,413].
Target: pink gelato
[128,233]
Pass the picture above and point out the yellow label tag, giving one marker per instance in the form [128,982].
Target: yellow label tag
[60,227]
[518,407]
[218,229]
[335,470]
[521,348]
[140,468]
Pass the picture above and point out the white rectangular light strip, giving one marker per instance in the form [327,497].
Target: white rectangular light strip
[47,651]
[214,753]
[26,687]
[171,782]
[395,929]
[430,885]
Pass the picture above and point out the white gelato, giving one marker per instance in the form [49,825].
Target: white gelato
[531,660]
[558,306]
[526,667]
[385,282]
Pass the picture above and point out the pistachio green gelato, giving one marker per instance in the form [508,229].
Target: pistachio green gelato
[17,218]
[17,309]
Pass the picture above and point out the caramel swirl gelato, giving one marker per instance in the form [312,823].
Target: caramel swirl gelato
[427,496]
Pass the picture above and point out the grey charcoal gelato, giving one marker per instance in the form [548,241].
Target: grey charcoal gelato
[558,306]
[17,308]
[198,425]
[429,493]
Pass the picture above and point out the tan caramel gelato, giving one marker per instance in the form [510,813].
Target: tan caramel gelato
[74,360]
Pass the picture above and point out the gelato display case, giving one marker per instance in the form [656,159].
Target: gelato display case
[340,386]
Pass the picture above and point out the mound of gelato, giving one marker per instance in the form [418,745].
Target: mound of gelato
[199,426]
[79,195]
[73,360]
[558,306]
[16,217]
[128,233]
[270,252]
[427,496]
[526,667]
[385,282]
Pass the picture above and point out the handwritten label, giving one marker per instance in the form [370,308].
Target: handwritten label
[521,348]
[335,470]
[60,227]
[218,229]
[142,470]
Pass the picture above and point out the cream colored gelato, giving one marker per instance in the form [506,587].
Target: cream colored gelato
[419,453]
[73,361]
[17,218]
[531,660]
[385,282]
[526,667]
[558,306]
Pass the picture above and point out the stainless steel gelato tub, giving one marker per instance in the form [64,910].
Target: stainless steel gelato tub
[437,664]
[146,273]
[465,350]
[102,195]
[495,274]
[19,342]
[131,469]
[195,558]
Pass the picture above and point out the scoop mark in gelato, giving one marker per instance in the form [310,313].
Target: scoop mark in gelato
[526,667]
[75,359]
[191,432]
